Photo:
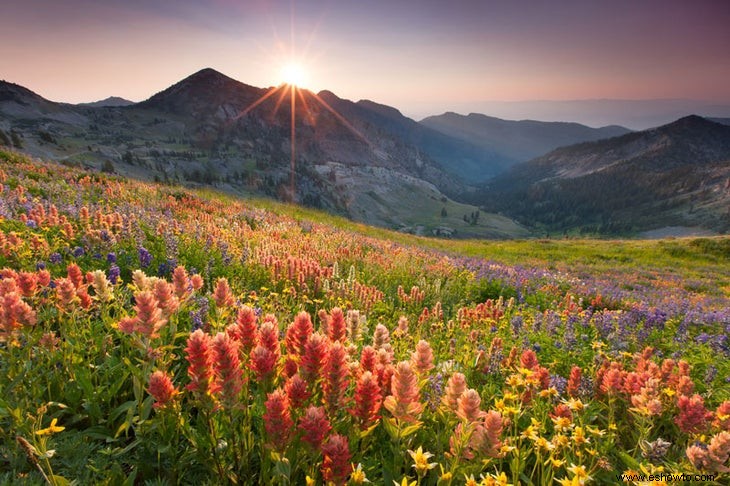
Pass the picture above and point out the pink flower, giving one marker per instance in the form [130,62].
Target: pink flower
[468,406]
[296,391]
[528,359]
[422,357]
[335,377]
[277,420]
[367,400]
[161,388]
[167,301]
[227,370]
[722,416]
[693,415]
[199,355]
[574,381]
[181,283]
[246,332]
[336,460]
[263,362]
[298,333]
[315,426]
[403,402]
[222,294]
[315,352]
[15,313]
[455,387]
[65,292]
[368,358]
[149,318]
[336,328]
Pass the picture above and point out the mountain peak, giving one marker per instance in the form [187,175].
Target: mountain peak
[204,90]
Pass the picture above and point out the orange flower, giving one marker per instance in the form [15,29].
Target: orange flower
[227,369]
[199,355]
[403,402]
[455,387]
[422,357]
[161,389]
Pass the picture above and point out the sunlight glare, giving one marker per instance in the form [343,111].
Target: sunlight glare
[293,74]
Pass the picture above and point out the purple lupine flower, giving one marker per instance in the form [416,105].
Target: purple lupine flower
[54,257]
[31,224]
[78,252]
[111,257]
[145,257]
[114,273]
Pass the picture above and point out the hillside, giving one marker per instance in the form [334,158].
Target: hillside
[158,334]
[674,175]
[517,141]
[213,130]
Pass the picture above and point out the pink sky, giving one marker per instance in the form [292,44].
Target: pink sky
[422,56]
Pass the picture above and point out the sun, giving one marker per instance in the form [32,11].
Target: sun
[294,74]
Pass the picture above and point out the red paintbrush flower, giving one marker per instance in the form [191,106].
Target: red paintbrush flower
[298,332]
[403,402]
[222,294]
[161,388]
[336,465]
[335,377]
[296,391]
[227,370]
[422,357]
[367,400]
[693,416]
[199,354]
[455,387]
[315,352]
[368,358]
[246,330]
[277,420]
[336,327]
[315,426]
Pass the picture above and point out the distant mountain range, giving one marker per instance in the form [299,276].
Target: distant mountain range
[670,176]
[447,175]
[517,140]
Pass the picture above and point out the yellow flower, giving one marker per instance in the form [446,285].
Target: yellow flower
[669,392]
[420,460]
[561,440]
[579,436]
[570,482]
[470,481]
[52,429]
[574,404]
[555,462]
[491,480]
[515,381]
[405,482]
[529,433]
[595,431]
[561,423]
[579,472]
[310,481]
[543,443]
[358,475]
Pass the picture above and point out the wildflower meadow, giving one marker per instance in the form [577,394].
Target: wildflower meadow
[151,334]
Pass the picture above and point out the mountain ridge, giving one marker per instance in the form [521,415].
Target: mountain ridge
[674,175]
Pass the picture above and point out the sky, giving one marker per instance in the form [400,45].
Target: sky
[422,56]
